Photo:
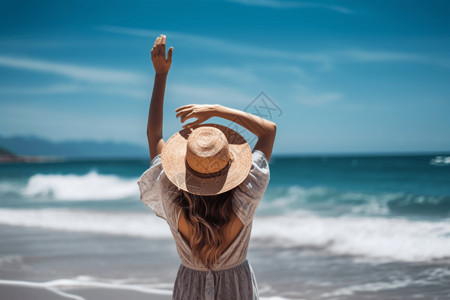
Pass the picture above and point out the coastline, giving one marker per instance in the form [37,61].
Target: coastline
[22,290]
[60,265]
[70,289]
[7,159]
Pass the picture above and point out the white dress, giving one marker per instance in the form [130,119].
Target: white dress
[232,276]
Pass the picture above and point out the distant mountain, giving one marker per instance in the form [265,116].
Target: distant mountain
[35,146]
[7,156]
[5,152]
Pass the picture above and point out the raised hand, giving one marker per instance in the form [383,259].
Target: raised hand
[201,112]
[160,63]
[264,129]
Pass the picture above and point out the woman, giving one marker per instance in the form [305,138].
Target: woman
[206,183]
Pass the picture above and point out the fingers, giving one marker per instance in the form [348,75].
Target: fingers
[195,123]
[187,116]
[155,49]
[159,47]
[169,55]
[183,107]
[163,46]
[158,42]
[183,112]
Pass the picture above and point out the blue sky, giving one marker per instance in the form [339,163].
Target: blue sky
[348,76]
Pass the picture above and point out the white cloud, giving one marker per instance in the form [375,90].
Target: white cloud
[42,90]
[252,73]
[221,45]
[326,59]
[207,94]
[293,4]
[392,56]
[242,75]
[381,56]
[319,99]
[76,72]
[84,80]
[59,89]
[153,33]
[306,96]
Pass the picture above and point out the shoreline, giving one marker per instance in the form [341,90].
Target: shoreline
[64,289]
[56,265]
[14,159]
[23,290]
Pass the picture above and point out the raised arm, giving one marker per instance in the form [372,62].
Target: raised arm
[264,129]
[155,114]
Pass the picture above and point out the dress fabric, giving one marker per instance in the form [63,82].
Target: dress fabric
[232,276]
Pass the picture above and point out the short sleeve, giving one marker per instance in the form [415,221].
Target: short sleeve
[249,193]
[155,188]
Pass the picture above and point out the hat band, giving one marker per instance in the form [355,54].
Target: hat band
[209,175]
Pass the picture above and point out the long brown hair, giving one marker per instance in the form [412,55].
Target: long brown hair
[205,215]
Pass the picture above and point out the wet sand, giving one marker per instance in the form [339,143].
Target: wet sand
[24,291]
[41,264]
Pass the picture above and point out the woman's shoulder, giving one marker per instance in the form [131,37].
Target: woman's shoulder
[249,193]
[156,190]
[259,174]
[260,160]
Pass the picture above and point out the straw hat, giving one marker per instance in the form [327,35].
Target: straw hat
[208,159]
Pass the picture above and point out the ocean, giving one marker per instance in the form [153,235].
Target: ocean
[328,227]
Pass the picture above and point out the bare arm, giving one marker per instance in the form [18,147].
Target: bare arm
[264,129]
[155,114]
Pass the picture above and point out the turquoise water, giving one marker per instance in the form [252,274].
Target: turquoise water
[333,227]
[400,186]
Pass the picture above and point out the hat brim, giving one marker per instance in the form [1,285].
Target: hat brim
[173,161]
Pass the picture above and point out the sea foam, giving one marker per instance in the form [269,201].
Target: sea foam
[283,200]
[440,160]
[130,224]
[331,201]
[369,237]
[378,238]
[91,186]
[58,287]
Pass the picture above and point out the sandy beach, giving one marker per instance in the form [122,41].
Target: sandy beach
[19,290]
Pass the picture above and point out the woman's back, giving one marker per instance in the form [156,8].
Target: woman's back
[228,231]
[159,194]
[206,160]
[231,277]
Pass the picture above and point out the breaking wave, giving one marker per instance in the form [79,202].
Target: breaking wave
[91,186]
[377,238]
